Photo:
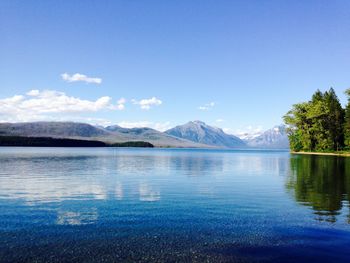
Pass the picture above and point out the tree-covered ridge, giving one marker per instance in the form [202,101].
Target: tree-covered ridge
[132,144]
[320,125]
[64,142]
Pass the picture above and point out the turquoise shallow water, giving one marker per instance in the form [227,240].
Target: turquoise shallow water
[172,205]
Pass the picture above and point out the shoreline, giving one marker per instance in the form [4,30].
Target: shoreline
[321,153]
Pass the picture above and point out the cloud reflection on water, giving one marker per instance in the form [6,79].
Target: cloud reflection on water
[119,175]
[76,218]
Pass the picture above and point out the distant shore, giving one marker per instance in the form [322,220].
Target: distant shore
[22,141]
[344,154]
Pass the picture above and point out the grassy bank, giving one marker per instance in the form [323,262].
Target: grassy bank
[340,153]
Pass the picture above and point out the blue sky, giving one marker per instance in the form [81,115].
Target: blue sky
[241,62]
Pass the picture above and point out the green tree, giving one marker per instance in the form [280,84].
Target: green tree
[318,125]
[317,115]
[299,127]
[334,121]
[347,122]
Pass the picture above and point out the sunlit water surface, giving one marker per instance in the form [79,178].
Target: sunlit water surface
[172,205]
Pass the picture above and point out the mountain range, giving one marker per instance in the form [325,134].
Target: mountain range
[111,134]
[194,134]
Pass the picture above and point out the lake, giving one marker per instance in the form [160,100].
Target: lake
[172,205]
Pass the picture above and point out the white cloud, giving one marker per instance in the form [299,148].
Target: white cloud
[220,120]
[80,77]
[249,131]
[160,126]
[121,101]
[33,92]
[42,105]
[146,104]
[148,194]
[244,131]
[121,104]
[207,106]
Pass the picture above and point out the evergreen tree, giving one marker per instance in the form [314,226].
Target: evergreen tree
[334,121]
[299,127]
[347,122]
[318,125]
[317,115]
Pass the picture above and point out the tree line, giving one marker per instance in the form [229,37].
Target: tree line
[64,142]
[320,125]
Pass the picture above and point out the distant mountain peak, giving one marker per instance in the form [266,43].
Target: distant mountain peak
[200,132]
[202,123]
[198,122]
[276,137]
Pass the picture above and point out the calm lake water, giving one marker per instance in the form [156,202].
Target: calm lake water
[172,205]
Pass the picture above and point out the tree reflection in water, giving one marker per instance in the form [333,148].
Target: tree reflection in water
[322,182]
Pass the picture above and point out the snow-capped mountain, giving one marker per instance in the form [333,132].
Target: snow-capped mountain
[246,136]
[273,138]
[198,131]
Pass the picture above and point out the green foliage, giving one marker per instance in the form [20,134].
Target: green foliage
[347,122]
[58,142]
[295,141]
[133,144]
[334,120]
[317,125]
[47,142]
